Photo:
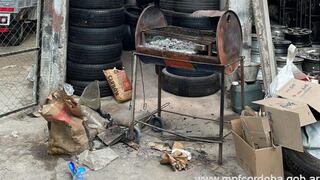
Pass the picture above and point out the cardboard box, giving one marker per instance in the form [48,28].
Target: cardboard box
[257,162]
[287,116]
[286,119]
[256,130]
[302,91]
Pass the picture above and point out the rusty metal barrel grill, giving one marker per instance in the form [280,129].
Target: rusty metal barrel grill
[221,46]
[218,50]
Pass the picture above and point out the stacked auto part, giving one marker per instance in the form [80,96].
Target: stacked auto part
[300,37]
[282,39]
[183,82]
[96,31]
[311,58]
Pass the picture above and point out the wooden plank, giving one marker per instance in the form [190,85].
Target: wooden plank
[53,47]
[266,49]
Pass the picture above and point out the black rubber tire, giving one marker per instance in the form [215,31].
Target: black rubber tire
[187,73]
[132,14]
[189,6]
[158,122]
[157,70]
[316,7]
[129,38]
[79,87]
[97,4]
[188,21]
[190,86]
[96,36]
[92,54]
[96,18]
[143,2]
[301,163]
[287,174]
[89,72]
[137,135]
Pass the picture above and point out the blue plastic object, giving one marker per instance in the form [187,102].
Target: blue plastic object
[76,172]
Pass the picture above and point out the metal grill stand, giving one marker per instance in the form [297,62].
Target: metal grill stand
[226,59]
[218,68]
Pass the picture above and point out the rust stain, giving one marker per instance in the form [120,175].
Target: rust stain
[57,15]
[179,64]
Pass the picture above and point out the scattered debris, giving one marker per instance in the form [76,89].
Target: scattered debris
[160,146]
[112,135]
[68,88]
[34,115]
[77,172]
[96,160]
[178,159]
[14,134]
[131,144]
[97,144]
[32,74]
[91,96]
[93,119]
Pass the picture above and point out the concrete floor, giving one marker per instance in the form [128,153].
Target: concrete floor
[23,142]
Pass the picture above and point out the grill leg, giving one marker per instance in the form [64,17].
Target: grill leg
[159,90]
[133,99]
[222,84]
[242,84]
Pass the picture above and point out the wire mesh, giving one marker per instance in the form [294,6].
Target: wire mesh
[18,59]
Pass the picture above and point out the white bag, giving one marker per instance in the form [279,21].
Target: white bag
[288,72]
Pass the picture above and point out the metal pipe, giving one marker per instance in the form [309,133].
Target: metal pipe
[195,117]
[19,52]
[152,113]
[159,90]
[221,116]
[242,83]
[177,138]
[36,83]
[134,90]
[206,138]
[17,110]
[180,135]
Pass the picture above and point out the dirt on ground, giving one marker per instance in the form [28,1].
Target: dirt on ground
[23,141]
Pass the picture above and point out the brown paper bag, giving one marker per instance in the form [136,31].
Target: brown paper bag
[119,83]
[67,139]
[66,132]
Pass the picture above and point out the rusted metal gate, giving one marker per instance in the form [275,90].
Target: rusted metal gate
[19,54]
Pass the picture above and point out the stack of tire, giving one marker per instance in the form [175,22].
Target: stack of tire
[96,31]
[188,83]
[178,13]
[132,14]
[133,9]
[300,37]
